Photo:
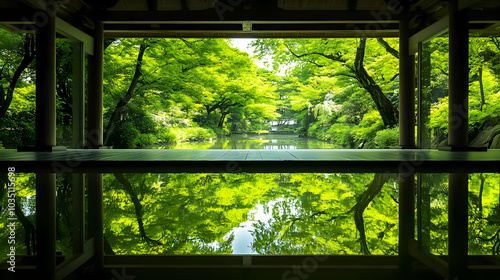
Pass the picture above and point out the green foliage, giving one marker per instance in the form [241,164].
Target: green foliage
[21,129]
[166,136]
[325,82]
[193,133]
[147,140]
[194,89]
[365,133]
[288,214]
[125,136]
[387,138]
[341,134]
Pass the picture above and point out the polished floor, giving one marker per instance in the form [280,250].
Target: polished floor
[228,161]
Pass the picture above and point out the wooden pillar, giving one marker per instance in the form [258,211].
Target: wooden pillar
[45,123]
[459,76]
[46,225]
[78,212]
[457,225]
[406,87]
[95,117]
[406,221]
[96,229]
[78,95]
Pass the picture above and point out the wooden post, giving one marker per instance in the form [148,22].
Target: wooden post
[95,118]
[46,225]
[78,212]
[406,221]
[406,87]
[457,229]
[459,76]
[96,230]
[45,123]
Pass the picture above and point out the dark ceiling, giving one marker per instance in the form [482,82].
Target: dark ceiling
[251,18]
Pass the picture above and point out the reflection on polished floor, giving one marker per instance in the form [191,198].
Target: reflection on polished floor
[185,224]
[326,160]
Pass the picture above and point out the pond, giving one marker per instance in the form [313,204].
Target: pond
[264,213]
[256,141]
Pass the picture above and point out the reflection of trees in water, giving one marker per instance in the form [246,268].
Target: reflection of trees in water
[318,217]
[308,213]
[484,214]
[180,213]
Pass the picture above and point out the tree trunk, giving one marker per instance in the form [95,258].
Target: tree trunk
[29,56]
[388,112]
[363,201]
[481,88]
[29,230]
[120,106]
[138,207]
[481,189]
[222,119]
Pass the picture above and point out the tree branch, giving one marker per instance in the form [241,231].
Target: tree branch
[337,58]
[128,95]
[29,56]
[388,48]
[373,189]
[138,207]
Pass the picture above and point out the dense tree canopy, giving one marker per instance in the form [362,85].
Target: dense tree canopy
[345,91]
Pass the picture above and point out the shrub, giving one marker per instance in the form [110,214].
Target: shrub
[146,139]
[167,136]
[367,130]
[387,137]
[124,136]
[192,133]
[340,134]
[198,133]
[311,132]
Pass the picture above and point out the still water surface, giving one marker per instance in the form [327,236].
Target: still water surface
[286,214]
[256,141]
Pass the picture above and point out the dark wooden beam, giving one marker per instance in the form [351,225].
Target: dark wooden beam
[78,100]
[239,15]
[406,222]
[483,15]
[324,27]
[18,16]
[73,263]
[406,87]
[458,225]
[78,213]
[46,225]
[153,5]
[94,104]
[458,116]
[45,123]
[436,264]
[352,4]
[96,230]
